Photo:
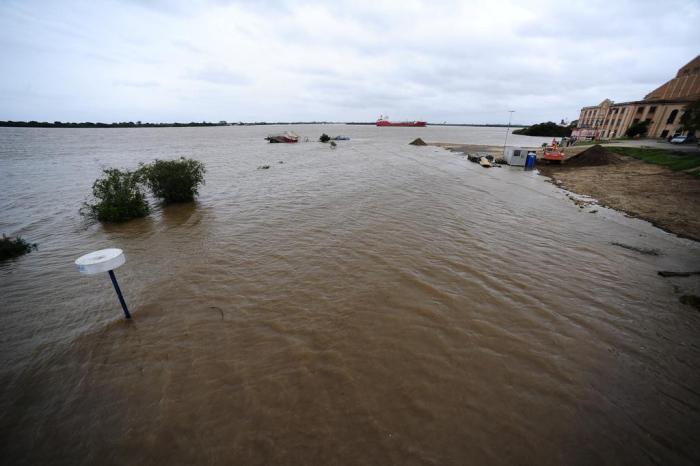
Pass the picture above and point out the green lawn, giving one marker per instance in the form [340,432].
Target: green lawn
[674,160]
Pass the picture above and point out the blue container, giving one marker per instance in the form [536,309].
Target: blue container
[530,161]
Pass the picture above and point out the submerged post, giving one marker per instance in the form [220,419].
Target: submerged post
[105,260]
[119,294]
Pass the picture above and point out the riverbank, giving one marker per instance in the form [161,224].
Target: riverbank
[641,188]
[642,182]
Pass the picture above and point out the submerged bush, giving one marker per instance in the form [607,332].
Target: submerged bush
[117,197]
[10,248]
[174,180]
[324,138]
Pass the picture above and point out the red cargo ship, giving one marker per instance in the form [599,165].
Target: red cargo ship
[384,121]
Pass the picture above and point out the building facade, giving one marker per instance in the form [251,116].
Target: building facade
[662,107]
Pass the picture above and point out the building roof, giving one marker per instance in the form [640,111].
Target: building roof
[685,86]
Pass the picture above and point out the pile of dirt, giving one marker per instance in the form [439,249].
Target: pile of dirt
[595,156]
[418,142]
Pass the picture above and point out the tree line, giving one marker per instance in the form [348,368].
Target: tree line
[88,124]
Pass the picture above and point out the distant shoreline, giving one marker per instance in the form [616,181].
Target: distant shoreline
[131,124]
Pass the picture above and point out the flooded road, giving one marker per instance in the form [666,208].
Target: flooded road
[376,304]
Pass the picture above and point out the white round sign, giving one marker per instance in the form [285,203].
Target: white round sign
[100,261]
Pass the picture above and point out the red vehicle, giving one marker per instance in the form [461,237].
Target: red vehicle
[553,153]
[384,121]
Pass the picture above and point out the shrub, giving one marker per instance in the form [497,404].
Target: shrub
[174,180]
[638,129]
[324,138]
[10,248]
[117,197]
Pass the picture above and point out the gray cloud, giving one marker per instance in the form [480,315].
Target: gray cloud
[466,61]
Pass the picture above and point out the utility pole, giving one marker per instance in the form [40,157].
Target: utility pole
[507,131]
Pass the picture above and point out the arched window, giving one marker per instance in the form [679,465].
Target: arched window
[672,117]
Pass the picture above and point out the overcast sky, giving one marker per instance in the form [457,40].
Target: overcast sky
[247,60]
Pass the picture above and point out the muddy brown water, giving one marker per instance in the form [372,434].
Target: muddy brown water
[376,304]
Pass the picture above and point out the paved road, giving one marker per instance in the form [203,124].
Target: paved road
[656,144]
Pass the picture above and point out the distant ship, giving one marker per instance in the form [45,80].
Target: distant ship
[384,121]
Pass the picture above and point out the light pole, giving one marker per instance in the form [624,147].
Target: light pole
[507,131]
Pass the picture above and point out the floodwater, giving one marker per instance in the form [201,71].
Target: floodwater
[376,304]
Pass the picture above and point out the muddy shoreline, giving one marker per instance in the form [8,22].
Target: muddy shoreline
[666,199]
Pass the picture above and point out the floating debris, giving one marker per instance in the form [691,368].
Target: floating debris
[581,200]
[690,300]
[645,251]
[418,142]
[666,273]
[263,167]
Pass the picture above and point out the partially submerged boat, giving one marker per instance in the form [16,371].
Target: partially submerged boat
[478,156]
[286,137]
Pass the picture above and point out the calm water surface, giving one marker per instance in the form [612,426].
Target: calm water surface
[376,304]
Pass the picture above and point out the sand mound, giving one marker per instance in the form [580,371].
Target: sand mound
[596,155]
[418,142]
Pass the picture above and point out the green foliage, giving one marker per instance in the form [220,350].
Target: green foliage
[117,197]
[638,129]
[549,129]
[10,248]
[324,138]
[691,118]
[174,180]
[675,161]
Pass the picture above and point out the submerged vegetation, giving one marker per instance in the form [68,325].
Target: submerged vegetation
[549,129]
[14,247]
[174,180]
[324,138]
[118,197]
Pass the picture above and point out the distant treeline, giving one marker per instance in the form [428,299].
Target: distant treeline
[88,124]
[138,124]
[480,125]
[549,129]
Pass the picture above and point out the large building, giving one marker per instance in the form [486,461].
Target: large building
[662,107]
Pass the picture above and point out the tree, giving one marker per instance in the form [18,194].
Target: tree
[549,129]
[691,118]
[174,180]
[117,197]
[638,129]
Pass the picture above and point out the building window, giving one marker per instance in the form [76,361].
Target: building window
[640,109]
[672,117]
[652,109]
[635,121]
